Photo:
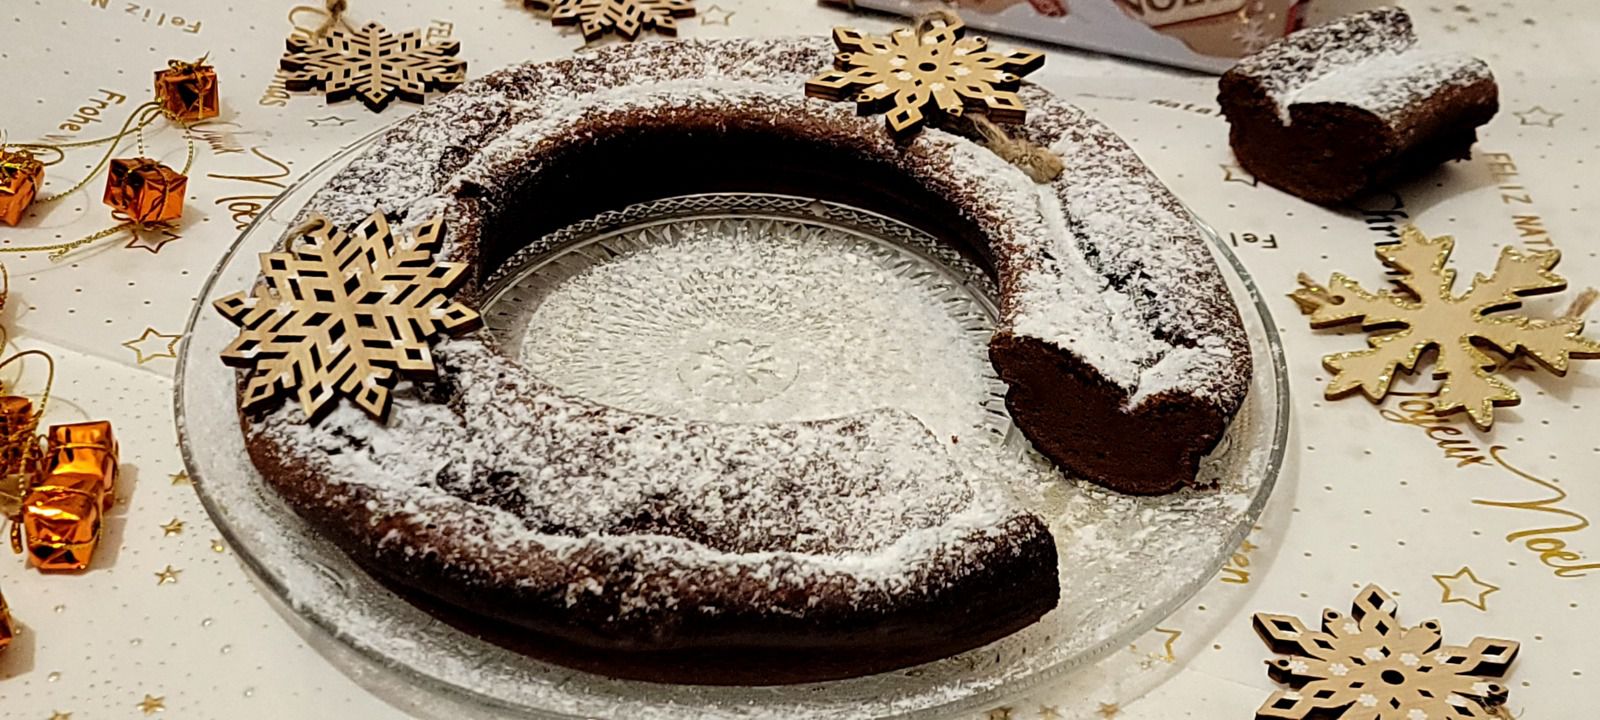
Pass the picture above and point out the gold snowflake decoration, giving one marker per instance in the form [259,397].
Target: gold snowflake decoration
[623,17]
[911,75]
[342,312]
[1428,315]
[373,65]
[1368,667]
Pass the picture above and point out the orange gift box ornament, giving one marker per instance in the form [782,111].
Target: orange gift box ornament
[20,451]
[61,514]
[187,91]
[145,191]
[7,632]
[20,178]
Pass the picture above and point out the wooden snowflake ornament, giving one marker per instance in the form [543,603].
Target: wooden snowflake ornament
[938,72]
[373,65]
[623,17]
[342,313]
[1368,667]
[1460,327]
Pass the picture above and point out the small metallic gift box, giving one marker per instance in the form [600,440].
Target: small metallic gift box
[83,457]
[6,631]
[19,450]
[145,191]
[188,91]
[61,515]
[20,177]
[61,528]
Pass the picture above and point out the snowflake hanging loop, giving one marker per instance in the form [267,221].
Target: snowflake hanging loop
[344,313]
[373,65]
[908,75]
[1369,667]
[623,17]
[1460,327]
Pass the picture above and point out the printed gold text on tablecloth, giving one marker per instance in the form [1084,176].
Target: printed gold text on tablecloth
[1558,521]
[244,208]
[1529,224]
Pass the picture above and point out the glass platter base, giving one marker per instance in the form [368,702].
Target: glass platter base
[715,347]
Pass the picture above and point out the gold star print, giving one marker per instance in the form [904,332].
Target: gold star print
[58,715]
[180,477]
[1166,655]
[168,574]
[172,528]
[333,120]
[1172,637]
[1232,173]
[1049,712]
[153,345]
[152,704]
[1465,587]
[217,546]
[715,15]
[1109,710]
[152,238]
[1537,116]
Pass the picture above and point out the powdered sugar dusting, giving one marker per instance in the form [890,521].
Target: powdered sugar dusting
[1126,561]
[1390,85]
[872,496]
[768,320]
[513,479]
[1368,60]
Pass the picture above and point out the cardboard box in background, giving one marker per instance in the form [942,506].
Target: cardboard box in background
[1208,35]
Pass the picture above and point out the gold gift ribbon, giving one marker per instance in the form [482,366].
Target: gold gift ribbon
[144,114]
[16,486]
[13,164]
[182,68]
[188,67]
[59,250]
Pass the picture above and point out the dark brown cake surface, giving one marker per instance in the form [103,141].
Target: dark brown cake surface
[677,550]
[1332,111]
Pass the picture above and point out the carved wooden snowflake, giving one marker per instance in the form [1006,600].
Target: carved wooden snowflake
[938,72]
[623,17]
[373,65]
[1460,327]
[1368,667]
[341,312]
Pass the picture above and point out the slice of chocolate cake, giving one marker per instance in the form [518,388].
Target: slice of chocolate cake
[1329,112]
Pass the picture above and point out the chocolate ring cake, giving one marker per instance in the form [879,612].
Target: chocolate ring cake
[678,550]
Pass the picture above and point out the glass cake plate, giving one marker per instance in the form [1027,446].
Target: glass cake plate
[742,308]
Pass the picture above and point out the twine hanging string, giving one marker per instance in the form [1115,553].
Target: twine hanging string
[336,10]
[312,223]
[332,13]
[1499,710]
[1581,304]
[1033,159]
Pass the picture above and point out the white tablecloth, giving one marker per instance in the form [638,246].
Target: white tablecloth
[1365,497]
